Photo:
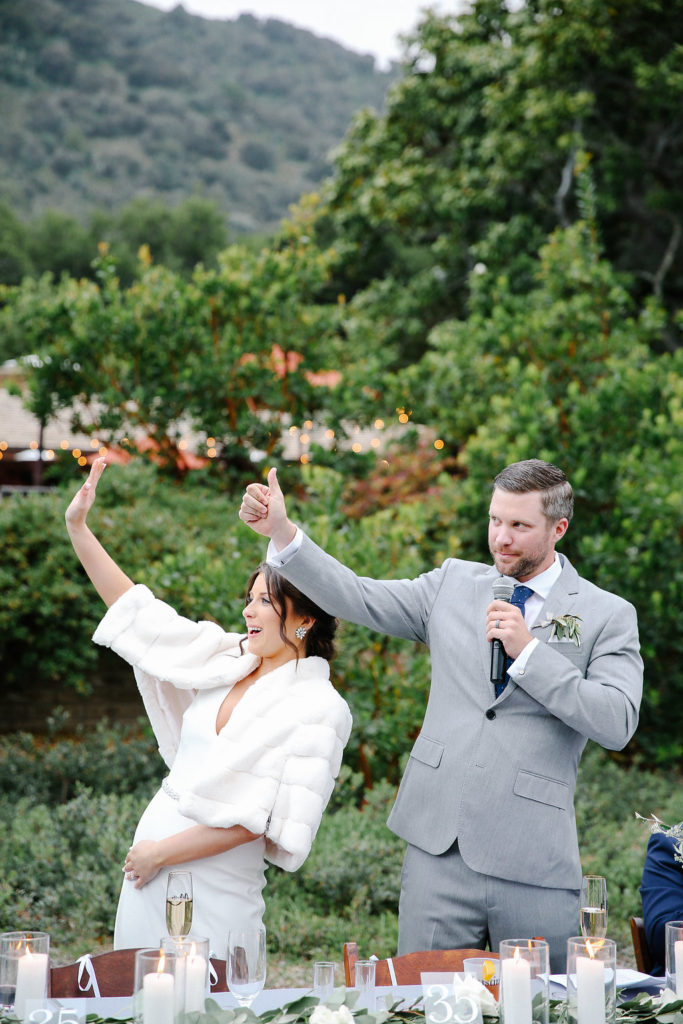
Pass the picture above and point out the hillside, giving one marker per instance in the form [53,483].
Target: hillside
[102,101]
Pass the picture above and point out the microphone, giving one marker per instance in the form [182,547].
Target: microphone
[502,591]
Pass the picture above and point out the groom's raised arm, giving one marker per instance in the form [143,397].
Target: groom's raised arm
[397,607]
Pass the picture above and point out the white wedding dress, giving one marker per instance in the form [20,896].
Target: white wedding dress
[227,888]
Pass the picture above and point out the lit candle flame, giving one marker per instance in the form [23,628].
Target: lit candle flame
[162,963]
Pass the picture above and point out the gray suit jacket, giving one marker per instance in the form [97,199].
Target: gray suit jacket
[497,774]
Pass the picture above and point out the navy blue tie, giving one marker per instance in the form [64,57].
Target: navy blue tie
[519,599]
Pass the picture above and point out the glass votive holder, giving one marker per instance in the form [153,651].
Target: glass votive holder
[24,970]
[323,980]
[524,981]
[193,955]
[158,993]
[673,932]
[364,983]
[591,980]
[485,970]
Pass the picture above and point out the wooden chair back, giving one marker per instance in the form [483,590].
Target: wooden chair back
[408,967]
[644,961]
[114,971]
[115,974]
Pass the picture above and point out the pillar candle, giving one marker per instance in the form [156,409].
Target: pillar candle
[590,991]
[157,998]
[678,962]
[195,984]
[31,980]
[515,976]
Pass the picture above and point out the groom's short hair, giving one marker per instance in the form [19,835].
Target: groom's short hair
[557,497]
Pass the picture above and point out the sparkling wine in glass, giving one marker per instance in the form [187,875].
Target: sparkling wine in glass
[179,903]
[593,907]
[246,963]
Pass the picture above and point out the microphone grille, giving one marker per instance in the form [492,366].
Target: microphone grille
[502,588]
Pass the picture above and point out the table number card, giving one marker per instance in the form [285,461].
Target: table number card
[53,1011]
[445,1004]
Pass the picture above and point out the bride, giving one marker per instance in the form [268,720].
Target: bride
[250,726]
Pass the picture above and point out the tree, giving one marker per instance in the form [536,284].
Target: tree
[472,164]
[230,354]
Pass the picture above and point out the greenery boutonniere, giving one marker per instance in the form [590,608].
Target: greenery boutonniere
[563,626]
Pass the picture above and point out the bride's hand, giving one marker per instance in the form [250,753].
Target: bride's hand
[142,863]
[84,498]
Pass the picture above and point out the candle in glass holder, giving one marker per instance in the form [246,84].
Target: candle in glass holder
[31,980]
[158,998]
[515,978]
[590,988]
[678,961]
[195,983]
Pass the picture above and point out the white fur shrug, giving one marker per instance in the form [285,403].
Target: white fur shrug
[274,765]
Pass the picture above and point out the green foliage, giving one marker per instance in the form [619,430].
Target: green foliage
[106,760]
[106,101]
[478,155]
[62,866]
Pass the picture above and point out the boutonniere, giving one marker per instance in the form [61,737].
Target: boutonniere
[563,626]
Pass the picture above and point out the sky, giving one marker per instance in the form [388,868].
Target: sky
[367,26]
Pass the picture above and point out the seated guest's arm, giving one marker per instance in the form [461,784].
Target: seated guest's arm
[662,894]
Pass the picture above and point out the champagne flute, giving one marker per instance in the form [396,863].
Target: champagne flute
[179,903]
[593,906]
[246,963]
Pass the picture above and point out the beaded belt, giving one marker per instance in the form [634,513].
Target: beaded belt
[169,790]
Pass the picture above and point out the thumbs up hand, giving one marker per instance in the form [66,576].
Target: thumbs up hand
[263,509]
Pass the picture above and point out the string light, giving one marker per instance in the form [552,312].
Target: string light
[357,448]
[64,445]
[293,430]
[94,443]
[49,455]
[379,424]
[33,445]
[309,424]
[182,445]
[82,461]
[305,458]
[212,453]
[304,439]
[438,444]
[76,453]
[375,442]
[3,446]
[102,451]
[329,434]
[210,442]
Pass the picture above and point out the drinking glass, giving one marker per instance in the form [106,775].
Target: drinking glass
[179,903]
[593,907]
[364,982]
[323,980]
[246,963]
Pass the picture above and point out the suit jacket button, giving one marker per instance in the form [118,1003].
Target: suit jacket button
[490,714]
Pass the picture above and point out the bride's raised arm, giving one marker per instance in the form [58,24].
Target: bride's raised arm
[109,580]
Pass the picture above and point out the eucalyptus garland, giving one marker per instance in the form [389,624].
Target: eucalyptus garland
[641,1009]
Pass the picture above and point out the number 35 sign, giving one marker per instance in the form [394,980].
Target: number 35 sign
[445,1004]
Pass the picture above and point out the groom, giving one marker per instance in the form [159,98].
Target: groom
[486,804]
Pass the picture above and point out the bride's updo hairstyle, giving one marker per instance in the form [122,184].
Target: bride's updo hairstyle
[319,640]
